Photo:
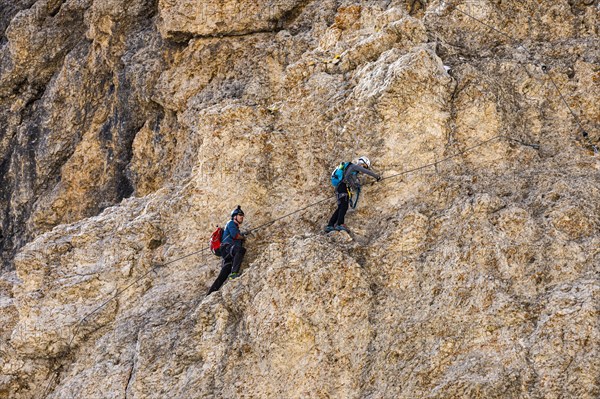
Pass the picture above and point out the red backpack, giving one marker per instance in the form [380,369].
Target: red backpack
[215,241]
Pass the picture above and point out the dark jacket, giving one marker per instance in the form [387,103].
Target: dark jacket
[351,178]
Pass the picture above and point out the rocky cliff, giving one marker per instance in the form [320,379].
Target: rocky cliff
[128,129]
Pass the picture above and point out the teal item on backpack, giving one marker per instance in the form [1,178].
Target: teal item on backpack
[338,173]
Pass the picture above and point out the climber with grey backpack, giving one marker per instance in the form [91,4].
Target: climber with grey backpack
[345,180]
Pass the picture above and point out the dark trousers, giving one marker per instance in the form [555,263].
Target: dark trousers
[342,205]
[232,255]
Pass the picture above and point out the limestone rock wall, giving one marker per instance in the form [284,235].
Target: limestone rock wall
[75,83]
[129,129]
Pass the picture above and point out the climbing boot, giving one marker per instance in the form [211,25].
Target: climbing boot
[342,227]
[233,276]
[329,229]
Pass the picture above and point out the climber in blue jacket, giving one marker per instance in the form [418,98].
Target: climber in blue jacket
[232,250]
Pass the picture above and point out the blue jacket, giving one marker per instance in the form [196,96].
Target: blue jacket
[231,234]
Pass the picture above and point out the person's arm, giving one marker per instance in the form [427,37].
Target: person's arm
[234,231]
[356,168]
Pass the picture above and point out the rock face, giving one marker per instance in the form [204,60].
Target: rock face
[185,19]
[129,129]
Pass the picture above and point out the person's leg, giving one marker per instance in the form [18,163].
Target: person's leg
[226,264]
[343,209]
[225,271]
[238,257]
[342,203]
[341,192]
[334,217]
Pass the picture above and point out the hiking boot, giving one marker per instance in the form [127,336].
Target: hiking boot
[342,227]
[234,276]
[329,229]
